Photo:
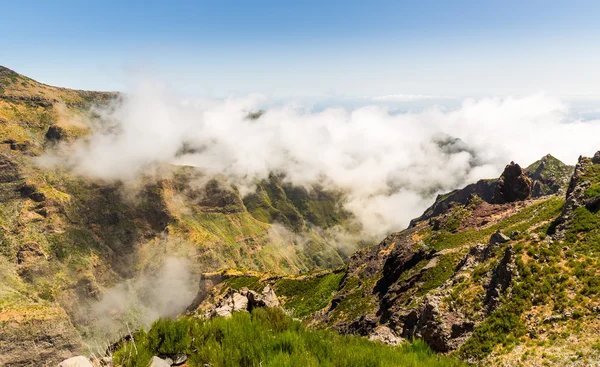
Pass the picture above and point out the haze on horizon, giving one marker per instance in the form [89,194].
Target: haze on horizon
[387,51]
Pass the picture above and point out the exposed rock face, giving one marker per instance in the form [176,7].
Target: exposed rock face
[243,300]
[576,192]
[443,331]
[385,335]
[501,278]
[483,188]
[9,170]
[41,340]
[513,185]
[29,252]
[55,133]
[549,175]
[404,255]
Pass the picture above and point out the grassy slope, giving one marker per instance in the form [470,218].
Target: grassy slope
[267,338]
[558,279]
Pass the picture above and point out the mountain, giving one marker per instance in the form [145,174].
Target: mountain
[502,272]
[492,282]
[68,240]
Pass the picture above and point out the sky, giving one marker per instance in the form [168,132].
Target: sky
[326,50]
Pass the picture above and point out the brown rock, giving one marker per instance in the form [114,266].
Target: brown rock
[513,185]
[29,252]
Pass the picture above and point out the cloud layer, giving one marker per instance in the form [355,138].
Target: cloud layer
[390,164]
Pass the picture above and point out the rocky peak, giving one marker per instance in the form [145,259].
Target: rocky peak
[584,189]
[546,176]
[513,185]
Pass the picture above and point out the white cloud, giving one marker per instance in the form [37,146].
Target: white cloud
[391,165]
[405,97]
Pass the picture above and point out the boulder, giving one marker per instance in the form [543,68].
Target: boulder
[79,361]
[240,302]
[596,158]
[178,359]
[385,335]
[158,362]
[223,310]
[498,238]
[267,298]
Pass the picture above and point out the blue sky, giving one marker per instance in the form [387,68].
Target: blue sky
[322,49]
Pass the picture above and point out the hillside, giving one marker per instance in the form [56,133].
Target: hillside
[487,280]
[502,272]
[68,240]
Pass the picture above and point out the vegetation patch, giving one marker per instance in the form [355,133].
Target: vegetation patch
[306,296]
[267,337]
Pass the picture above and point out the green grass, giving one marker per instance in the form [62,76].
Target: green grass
[593,190]
[306,296]
[437,275]
[268,338]
[294,206]
[250,282]
[583,232]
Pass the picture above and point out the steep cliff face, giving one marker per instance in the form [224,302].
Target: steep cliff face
[503,283]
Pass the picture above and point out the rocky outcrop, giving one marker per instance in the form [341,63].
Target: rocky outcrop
[29,252]
[498,238]
[44,338]
[385,335]
[513,185]
[55,133]
[243,300]
[443,331]
[549,175]
[483,188]
[9,170]
[502,276]
[576,193]
[546,176]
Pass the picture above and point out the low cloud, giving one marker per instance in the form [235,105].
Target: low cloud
[406,97]
[391,165]
[165,292]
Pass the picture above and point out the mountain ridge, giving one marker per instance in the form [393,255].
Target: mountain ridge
[490,283]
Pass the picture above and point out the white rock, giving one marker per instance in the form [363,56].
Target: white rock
[269,297]
[385,335]
[240,303]
[158,362]
[79,361]
[224,311]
